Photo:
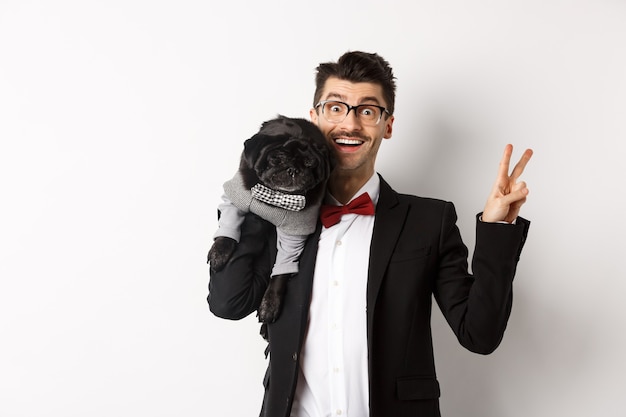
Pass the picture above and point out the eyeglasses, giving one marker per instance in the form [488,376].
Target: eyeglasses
[337,111]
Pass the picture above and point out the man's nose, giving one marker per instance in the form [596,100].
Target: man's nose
[352,120]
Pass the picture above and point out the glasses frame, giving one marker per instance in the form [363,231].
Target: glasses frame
[382,109]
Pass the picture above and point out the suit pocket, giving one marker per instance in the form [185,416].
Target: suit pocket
[408,255]
[418,388]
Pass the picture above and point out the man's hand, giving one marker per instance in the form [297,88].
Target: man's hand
[508,195]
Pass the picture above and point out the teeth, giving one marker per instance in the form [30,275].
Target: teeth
[348,141]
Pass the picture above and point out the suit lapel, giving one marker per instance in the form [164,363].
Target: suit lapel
[390,216]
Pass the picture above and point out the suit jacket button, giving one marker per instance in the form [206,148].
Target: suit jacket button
[295,356]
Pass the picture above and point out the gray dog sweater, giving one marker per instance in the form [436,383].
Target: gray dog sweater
[292,227]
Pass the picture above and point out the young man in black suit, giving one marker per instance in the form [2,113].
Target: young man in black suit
[354,337]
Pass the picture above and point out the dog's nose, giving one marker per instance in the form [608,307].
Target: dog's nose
[292,171]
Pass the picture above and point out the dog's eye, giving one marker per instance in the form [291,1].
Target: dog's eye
[309,162]
[276,159]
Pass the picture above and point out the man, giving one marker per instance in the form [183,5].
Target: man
[354,336]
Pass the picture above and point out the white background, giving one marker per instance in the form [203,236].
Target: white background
[119,121]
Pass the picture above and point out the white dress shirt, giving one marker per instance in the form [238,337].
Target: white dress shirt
[333,375]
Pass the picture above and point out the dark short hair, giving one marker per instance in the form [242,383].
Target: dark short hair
[356,67]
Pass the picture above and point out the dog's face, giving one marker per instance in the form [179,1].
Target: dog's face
[287,155]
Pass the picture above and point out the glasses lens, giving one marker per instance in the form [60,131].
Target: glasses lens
[369,115]
[336,112]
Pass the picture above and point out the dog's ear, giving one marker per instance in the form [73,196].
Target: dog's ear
[252,148]
[253,157]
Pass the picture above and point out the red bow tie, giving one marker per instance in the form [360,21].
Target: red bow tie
[330,215]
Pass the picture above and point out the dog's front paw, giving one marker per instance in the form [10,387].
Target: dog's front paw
[269,308]
[220,252]
[271,304]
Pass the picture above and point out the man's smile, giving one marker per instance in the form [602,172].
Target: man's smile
[348,142]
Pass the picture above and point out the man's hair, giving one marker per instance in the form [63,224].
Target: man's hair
[358,67]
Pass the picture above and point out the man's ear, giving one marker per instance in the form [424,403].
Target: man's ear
[388,127]
[313,116]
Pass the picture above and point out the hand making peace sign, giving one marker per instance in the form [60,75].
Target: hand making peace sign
[507,195]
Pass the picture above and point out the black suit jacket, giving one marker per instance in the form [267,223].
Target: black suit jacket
[416,253]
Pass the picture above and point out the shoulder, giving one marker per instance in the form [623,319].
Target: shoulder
[390,197]
[422,201]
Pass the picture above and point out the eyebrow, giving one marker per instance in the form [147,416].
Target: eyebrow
[341,97]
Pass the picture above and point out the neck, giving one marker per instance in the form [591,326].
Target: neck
[344,186]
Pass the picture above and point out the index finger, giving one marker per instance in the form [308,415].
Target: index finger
[503,170]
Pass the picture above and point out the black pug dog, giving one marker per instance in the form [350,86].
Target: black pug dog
[281,178]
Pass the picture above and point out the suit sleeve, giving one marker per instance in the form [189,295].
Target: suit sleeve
[477,306]
[237,290]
